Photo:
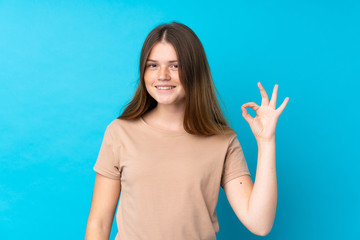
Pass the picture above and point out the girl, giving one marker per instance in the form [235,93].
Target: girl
[171,149]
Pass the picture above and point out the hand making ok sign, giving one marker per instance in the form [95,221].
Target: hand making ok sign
[264,124]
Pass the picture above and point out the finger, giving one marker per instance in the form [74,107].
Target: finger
[282,106]
[246,115]
[264,96]
[274,96]
[252,105]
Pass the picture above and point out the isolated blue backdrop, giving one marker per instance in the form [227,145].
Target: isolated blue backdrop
[68,67]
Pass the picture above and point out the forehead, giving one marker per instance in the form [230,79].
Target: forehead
[163,51]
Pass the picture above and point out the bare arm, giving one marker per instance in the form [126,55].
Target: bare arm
[255,204]
[104,201]
[263,199]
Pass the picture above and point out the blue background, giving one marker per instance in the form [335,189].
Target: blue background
[68,67]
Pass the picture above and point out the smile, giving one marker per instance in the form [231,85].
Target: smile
[164,89]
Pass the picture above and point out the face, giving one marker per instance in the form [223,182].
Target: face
[162,76]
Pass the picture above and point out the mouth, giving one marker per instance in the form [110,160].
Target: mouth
[165,89]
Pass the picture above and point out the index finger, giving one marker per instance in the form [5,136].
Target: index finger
[265,98]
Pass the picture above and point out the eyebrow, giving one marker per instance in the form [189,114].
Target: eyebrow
[168,61]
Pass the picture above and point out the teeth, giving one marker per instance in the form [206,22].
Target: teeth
[165,87]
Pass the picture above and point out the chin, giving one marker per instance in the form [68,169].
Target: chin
[169,102]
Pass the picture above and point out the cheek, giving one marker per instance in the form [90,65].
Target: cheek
[183,93]
[148,81]
[147,76]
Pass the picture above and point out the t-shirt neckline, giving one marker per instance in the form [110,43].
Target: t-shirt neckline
[170,132]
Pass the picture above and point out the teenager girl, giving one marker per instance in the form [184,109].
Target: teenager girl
[171,149]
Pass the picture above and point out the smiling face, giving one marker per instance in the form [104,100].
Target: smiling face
[162,76]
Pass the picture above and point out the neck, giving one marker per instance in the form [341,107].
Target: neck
[167,116]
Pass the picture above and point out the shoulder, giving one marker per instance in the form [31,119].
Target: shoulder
[221,141]
[121,129]
[230,136]
[117,124]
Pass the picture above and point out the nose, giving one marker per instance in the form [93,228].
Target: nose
[163,74]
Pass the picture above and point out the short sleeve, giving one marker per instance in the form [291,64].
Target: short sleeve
[107,163]
[235,164]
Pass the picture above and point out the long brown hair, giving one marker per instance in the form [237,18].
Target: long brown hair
[203,115]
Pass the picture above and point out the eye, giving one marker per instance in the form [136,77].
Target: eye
[151,64]
[175,66]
